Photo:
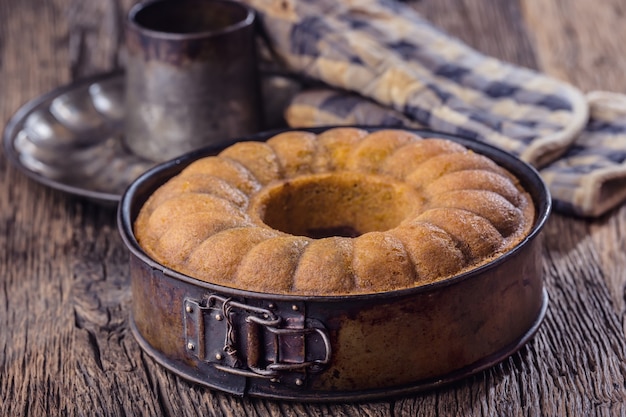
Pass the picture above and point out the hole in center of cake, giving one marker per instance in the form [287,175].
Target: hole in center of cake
[344,204]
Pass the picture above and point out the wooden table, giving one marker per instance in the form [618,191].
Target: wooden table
[65,344]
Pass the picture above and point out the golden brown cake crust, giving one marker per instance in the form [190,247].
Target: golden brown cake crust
[341,212]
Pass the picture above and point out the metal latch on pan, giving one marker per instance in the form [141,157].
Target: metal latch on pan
[276,342]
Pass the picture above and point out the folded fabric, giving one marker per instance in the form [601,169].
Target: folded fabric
[385,65]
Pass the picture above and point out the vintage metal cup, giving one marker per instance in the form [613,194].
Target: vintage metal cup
[192,77]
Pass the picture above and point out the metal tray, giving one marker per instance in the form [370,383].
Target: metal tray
[336,348]
[72,138]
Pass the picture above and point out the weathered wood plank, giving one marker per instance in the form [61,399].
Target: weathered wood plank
[493,28]
[580,41]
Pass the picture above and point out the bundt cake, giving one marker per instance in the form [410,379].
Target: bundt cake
[345,211]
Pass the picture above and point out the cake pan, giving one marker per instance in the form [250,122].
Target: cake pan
[336,348]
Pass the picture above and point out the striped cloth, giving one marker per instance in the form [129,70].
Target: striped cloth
[382,64]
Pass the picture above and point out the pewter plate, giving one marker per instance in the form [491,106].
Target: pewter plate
[72,138]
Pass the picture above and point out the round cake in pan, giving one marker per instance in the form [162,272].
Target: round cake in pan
[345,211]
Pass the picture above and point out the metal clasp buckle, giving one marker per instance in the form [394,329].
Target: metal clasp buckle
[276,342]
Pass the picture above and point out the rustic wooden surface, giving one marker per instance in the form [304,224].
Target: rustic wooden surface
[65,345]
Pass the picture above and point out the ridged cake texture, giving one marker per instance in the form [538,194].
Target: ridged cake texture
[345,211]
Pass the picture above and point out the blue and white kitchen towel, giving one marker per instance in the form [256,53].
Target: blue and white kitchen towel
[381,63]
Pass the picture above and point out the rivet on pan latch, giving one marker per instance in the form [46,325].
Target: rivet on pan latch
[218,356]
[189,309]
[191,346]
[295,307]
[271,306]
[299,382]
[219,317]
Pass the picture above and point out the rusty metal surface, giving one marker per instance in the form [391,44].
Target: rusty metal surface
[72,138]
[342,347]
[192,76]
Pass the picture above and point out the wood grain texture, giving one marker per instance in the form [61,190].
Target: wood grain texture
[65,344]
[583,43]
[493,28]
